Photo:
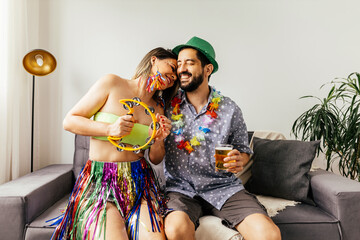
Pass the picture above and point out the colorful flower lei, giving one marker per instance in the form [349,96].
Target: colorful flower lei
[178,122]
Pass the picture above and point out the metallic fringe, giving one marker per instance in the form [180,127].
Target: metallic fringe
[125,184]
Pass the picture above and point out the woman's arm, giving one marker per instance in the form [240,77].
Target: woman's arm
[78,119]
[157,150]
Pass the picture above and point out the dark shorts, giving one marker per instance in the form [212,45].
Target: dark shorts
[233,212]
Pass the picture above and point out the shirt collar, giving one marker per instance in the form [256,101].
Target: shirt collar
[183,96]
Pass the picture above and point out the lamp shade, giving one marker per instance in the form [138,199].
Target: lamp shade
[39,62]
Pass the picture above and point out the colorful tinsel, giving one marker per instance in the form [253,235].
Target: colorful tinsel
[208,119]
[123,183]
[155,82]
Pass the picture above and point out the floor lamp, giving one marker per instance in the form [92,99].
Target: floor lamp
[37,62]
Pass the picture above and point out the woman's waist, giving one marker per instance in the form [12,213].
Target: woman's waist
[102,151]
[120,164]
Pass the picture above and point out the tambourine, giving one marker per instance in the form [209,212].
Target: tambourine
[128,105]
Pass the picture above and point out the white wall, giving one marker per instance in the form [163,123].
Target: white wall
[270,53]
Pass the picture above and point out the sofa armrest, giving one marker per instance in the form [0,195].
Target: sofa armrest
[338,196]
[25,198]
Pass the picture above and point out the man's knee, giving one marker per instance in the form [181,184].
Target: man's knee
[179,226]
[271,232]
[258,226]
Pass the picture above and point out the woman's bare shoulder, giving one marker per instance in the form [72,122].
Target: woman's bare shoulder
[112,79]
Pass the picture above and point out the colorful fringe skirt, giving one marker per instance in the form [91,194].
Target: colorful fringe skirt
[125,184]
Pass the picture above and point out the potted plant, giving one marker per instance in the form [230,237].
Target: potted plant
[335,120]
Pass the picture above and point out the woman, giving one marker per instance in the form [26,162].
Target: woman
[116,194]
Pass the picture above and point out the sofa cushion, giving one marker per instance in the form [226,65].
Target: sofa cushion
[280,168]
[245,174]
[39,228]
[211,228]
[304,221]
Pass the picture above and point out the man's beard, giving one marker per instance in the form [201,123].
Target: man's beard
[194,84]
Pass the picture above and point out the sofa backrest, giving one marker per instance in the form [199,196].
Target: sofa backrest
[81,153]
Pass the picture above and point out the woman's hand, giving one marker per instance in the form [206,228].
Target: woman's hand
[157,150]
[165,127]
[122,126]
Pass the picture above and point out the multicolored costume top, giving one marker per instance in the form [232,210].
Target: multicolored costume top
[138,135]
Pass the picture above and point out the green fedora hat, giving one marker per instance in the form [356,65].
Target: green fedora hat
[201,45]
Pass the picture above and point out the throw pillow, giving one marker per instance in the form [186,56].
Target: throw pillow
[281,167]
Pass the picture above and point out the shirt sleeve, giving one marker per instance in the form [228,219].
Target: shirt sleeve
[239,135]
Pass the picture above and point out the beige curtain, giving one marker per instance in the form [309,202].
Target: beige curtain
[15,91]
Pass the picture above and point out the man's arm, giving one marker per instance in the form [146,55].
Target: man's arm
[240,156]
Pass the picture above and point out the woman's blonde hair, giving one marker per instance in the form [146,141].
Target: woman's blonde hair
[144,67]
[143,70]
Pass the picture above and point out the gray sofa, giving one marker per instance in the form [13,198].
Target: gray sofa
[27,202]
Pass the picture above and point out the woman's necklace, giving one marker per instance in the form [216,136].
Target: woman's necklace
[208,119]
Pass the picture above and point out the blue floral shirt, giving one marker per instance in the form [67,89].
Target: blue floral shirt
[194,174]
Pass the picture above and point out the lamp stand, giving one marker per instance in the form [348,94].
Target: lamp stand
[32,126]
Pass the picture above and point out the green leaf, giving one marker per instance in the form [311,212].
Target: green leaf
[336,121]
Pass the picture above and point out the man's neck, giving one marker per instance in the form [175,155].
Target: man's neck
[199,97]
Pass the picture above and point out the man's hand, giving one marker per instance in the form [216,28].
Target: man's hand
[235,161]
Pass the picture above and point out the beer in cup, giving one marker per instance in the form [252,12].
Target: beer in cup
[221,151]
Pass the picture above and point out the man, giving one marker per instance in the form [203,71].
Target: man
[202,117]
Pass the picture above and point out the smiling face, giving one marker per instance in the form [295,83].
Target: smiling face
[190,70]
[167,67]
